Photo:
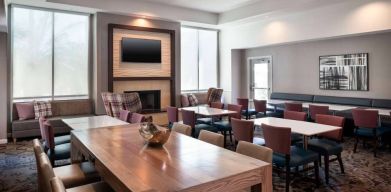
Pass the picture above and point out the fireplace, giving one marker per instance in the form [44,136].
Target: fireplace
[150,99]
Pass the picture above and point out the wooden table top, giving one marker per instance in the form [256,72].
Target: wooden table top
[92,122]
[208,111]
[183,164]
[301,127]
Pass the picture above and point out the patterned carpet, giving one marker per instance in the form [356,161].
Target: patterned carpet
[363,172]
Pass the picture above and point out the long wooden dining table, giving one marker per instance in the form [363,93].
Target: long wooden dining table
[183,164]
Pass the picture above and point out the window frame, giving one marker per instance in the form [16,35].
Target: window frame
[89,55]
[198,59]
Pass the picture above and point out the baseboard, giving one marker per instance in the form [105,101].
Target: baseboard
[3,141]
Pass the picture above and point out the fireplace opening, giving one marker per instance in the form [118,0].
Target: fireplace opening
[150,99]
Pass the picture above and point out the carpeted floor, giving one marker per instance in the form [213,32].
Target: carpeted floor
[363,172]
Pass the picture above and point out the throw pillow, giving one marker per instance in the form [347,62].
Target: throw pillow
[193,99]
[42,109]
[25,110]
[215,95]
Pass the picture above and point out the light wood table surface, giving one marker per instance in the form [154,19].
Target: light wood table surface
[208,111]
[92,122]
[183,164]
[301,127]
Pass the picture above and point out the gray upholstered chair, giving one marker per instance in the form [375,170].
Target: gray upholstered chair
[181,128]
[212,138]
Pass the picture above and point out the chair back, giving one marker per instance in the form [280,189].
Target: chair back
[137,118]
[333,121]
[181,128]
[317,109]
[188,118]
[37,152]
[49,135]
[260,106]
[172,114]
[255,151]
[217,105]
[212,138]
[57,185]
[277,138]
[124,115]
[243,130]
[42,121]
[365,118]
[243,102]
[294,115]
[47,172]
[237,108]
[293,107]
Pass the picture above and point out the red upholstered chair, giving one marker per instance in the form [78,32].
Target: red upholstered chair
[285,155]
[298,116]
[58,140]
[172,114]
[189,118]
[260,106]
[226,126]
[55,152]
[366,122]
[246,111]
[317,109]
[137,118]
[208,120]
[329,144]
[293,107]
[244,131]
[124,115]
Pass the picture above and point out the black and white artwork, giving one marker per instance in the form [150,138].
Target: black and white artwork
[344,72]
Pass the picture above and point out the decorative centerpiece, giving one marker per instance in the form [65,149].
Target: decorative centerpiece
[153,135]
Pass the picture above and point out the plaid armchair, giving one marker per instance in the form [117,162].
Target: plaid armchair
[115,102]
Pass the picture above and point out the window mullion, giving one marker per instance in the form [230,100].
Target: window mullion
[52,55]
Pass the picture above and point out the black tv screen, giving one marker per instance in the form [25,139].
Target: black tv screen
[141,50]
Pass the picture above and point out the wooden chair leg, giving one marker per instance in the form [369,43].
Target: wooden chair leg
[376,146]
[287,178]
[326,167]
[230,136]
[225,138]
[355,145]
[320,160]
[14,140]
[340,163]
[317,173]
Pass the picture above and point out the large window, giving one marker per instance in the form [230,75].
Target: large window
[50,54]
[198,59]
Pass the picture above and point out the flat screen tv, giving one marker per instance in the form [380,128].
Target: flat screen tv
[141,50]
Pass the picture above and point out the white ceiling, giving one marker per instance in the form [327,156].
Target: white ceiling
[215,6]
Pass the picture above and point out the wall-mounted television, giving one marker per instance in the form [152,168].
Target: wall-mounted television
[141,50]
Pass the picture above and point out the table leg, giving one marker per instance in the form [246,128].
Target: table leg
[305,146]
[267,181]
[76,155]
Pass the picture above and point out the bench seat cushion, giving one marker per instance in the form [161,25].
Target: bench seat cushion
[381,103]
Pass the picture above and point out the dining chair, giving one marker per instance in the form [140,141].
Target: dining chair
[298,116]
[243,130]
[261,109]
[58,140]
[329,143]
[225,126]
[181,128]
[58,186]
[245,110]
[137,118]
[284,155]
[255,151]
[172,115]
[189,118]
[367,127]
[55,152]
[289,106]
[208,120]
[124,115]
[317,109]
[71,175]
[212,138]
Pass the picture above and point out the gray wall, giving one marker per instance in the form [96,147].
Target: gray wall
[100,64]
[3,87]
[296,66]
